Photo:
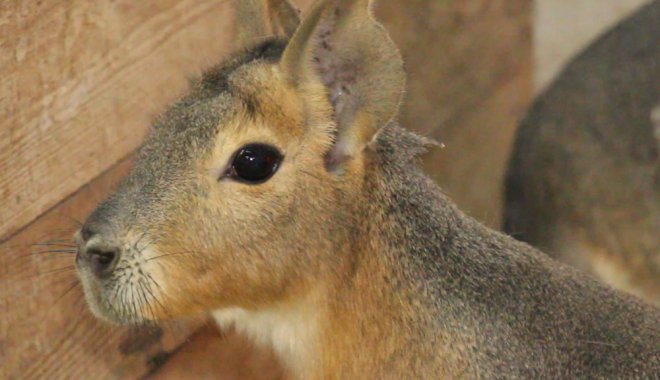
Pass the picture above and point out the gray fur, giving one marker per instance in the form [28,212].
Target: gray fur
[586,158]
[529,316]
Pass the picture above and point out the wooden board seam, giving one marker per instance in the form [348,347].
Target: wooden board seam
[6,238]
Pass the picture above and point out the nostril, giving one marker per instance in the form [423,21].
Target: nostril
[102,261]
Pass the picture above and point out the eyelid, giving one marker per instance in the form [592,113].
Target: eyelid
[225,170]
[220,172]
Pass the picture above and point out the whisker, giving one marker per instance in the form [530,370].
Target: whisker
[150,306]
[58,256]
[134,303]
[58,241]
[149,278]
[124,304]
[55,251]
[149,310]
[77,303]
[69,289]
[137,301]
[169,322]
[113,299]
[138,242]
[58,270]
[167,254]
[50,253]
[55,245]
[154,281]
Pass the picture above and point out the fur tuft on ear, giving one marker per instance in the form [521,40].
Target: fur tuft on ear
[341,45]
[260,19]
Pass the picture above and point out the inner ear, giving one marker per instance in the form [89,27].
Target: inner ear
[338,73]
[342,46]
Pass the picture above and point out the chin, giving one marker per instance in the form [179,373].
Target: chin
[98,302]
[98,306]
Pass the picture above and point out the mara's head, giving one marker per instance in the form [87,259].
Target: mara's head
[242,193]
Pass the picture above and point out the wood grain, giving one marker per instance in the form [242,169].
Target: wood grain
[80,82]
[227,356]
[46,331]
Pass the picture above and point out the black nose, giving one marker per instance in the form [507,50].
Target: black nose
[102,260]
[97,253]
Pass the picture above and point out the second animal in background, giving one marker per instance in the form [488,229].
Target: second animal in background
[584,179]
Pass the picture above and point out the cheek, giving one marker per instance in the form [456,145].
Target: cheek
[250,216]
[236,237]
[240,278]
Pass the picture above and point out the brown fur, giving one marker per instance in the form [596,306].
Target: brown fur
[348,262]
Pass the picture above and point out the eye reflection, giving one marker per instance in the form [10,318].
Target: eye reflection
[255,163]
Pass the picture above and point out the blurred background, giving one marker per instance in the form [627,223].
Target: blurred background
[81,81]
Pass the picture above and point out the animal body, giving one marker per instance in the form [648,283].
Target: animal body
[281,196]
[583,182]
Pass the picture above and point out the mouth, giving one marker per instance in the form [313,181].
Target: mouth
[120,299]
[117,280]
[97,299]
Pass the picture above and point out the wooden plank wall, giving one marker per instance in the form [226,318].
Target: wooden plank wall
[45,328]
[80,82]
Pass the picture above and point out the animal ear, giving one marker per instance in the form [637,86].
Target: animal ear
[284,16]
[341,45]
[258,19]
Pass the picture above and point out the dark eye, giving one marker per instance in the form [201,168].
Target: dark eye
[255,163]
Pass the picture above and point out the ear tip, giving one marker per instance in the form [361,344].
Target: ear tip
[286,15]
[257,19]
